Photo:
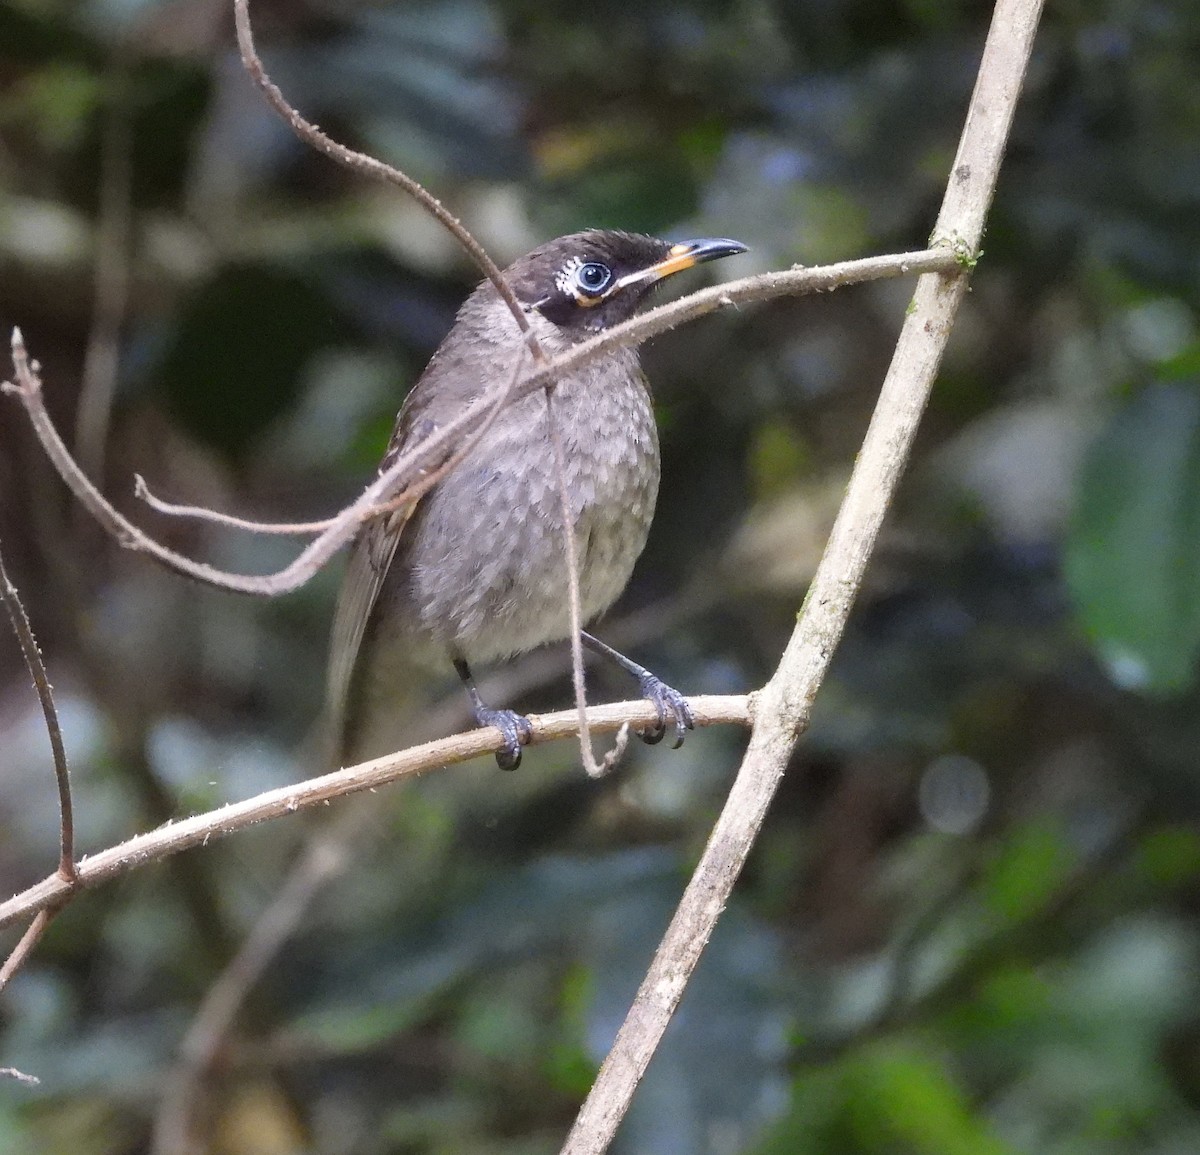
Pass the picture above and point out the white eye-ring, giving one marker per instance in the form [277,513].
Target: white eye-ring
[593,277]
[586,281]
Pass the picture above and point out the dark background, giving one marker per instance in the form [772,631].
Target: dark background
[970,923]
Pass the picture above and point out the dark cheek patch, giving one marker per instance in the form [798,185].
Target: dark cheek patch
[558,309]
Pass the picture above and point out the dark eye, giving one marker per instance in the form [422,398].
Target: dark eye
[593,277]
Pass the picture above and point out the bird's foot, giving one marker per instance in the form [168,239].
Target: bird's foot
[669,702]
[516,730]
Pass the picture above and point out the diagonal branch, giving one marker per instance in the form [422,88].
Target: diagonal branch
[369,166]
[26,943]
[66,872]
[41,683]
[200,829]
[782,707]
[390,485]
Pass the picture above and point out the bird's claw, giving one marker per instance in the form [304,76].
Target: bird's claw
[515,729]
[667,701]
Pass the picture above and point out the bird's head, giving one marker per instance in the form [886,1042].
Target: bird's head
[589,281]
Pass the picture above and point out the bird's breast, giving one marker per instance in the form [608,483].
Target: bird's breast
[482,570]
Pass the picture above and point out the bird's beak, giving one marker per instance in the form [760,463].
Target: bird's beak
[683,256]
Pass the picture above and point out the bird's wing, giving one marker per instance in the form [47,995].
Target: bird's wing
[370,557]
[448,383]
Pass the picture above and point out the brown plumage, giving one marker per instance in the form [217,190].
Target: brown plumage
[476,572]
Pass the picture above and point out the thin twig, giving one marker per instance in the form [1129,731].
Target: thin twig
[380,496]
[24,948]
[369,166]
[200,829]
[142,491]
[41,683]
[571,558]
[782,707]
[433,449]
[426,482]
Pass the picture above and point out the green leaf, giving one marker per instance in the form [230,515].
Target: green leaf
[1170,855]
[1133,552]
[907,1101]
[1032,865]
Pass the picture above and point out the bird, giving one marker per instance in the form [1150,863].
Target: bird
[474,572]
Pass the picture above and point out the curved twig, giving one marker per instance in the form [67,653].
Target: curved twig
[41,683]
[368,165]
[143,492]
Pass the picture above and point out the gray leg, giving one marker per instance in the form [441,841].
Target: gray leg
[514,727]
[666,699]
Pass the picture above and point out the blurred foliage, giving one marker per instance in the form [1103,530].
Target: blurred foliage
[971,921]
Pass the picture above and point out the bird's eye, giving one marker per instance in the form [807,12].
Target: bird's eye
[593,277]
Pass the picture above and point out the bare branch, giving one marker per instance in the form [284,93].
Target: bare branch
[202,513]
[41,683]
[571,558]
[782,707]
[369,166]
[24,948]
[428,479]
[389,485]
[380,496]
[202,828]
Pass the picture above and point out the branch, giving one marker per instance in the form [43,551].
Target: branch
[428,454]
[587,755]
[66,823]
[41,683]
[24,948]
[143,492]
[782,707]
[20,1076]
[200,829]
[369,166]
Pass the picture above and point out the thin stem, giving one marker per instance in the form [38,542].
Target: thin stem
[24,948]
[571,557]
[20,1076]
[182,1095]
[368,165]
[142,491]
[41,683]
